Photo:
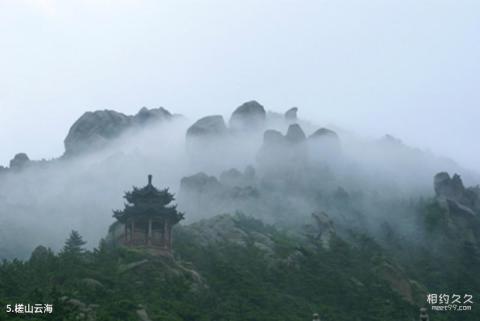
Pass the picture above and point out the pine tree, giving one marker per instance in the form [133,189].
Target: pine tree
[73,245]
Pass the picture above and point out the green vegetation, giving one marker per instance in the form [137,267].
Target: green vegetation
[227,281]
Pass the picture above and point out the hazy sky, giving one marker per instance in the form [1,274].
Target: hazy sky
[409,68]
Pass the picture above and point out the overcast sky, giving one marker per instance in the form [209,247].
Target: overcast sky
[408,68]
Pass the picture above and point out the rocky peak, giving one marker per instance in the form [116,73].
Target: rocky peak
[199,183]
[19,161]
[146,115]
[96,129]
[447,187]
[250,115]
[291,115]
[323,132]
[295,134]
[324,146]
[208,126]
[451,192]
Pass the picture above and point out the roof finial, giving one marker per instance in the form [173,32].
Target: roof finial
[150,179]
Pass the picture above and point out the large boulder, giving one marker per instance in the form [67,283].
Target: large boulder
[451,189]
[199,183]
[206,137]
[295,134]
[279,153]
[323,133]
[94,130]
[250,115]
[145,115]
[291,115]
[448,187]
[19,161]
[324,146]
[208,126]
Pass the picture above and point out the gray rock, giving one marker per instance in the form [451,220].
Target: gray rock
[291,115]
[208,126]
[321,229]
[219,229]
[145,115]
[295,134]
[250,115]
[448,188]
[459,209]
[94,130]
[199,183]
[452,189]
[324,146]
[19,161]
[323,132]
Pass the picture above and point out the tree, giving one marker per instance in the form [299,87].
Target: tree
[73,245]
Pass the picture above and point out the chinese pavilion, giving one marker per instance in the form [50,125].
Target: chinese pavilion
[148,219]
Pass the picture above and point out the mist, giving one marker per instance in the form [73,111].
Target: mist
[281,181]
[405,68]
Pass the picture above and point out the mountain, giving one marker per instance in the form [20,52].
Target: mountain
[283,218]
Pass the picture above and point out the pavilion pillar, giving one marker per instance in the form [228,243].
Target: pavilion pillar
[125,236]
[165,234]
[149,234]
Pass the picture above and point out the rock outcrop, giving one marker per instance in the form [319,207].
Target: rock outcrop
[321,229]
[295,134]
[280,153]
[452,190]
[199,183]
[249,116]
[448,187]
[208,126]
[324,146]
[459,209]
[19,161]
[324,133]
[146,116]
[291,115]
[94,130]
